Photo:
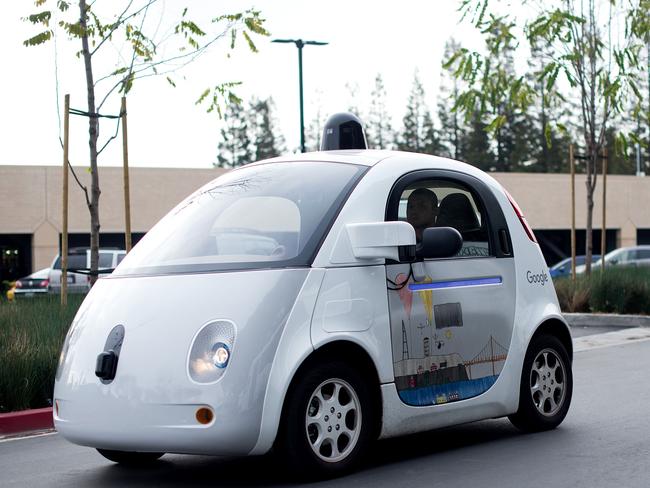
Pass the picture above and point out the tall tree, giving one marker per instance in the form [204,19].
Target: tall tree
[314,130]
[452,125]
[140,51]
[235,147]
[474,146]
[267,142]
[353,101]
[596,61]
[550,148]
[379,129]
[418,134]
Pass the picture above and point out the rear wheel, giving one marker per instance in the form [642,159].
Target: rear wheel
[546,386]
[328,421]
[130,458]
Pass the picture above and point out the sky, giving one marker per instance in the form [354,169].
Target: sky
[167,129]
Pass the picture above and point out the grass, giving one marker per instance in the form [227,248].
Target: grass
[32,332]
[623,290]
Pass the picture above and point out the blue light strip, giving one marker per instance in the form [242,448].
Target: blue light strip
[436,285]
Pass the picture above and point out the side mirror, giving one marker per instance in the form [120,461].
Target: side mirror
[439,242]
[612,261]
[389,240]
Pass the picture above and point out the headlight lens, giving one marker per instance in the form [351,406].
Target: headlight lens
[211,351]
[221,355]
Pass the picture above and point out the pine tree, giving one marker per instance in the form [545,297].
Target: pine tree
[452,125]
[266,141]
[314,131]
[353,103]
[419,134]
[379,130]
[235,144]
[549,144]
[474,146]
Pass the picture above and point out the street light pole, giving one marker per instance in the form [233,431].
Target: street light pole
[300,44]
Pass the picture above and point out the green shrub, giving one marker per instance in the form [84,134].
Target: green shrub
[623,290]
[573,296]
[31,335]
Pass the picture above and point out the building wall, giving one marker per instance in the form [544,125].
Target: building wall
[546,201]
[31,201]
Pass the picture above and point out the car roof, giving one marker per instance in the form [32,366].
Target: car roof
[373,157]
[365,157]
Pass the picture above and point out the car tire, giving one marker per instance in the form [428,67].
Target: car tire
[546,386]
[329,421]
[130,458]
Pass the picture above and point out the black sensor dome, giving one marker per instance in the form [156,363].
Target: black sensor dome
[343,131]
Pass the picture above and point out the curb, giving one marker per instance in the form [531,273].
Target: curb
[25,421]
[606,320]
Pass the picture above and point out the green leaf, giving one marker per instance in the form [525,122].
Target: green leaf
[251,44]
[40,18]
[496,123]
[203,96]
[548,135]
[38,38]
[171,82]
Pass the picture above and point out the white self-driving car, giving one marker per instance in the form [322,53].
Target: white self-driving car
[312,304]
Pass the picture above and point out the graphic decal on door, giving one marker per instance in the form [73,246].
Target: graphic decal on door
[443,356]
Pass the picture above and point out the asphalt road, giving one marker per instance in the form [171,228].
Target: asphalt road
[603,442]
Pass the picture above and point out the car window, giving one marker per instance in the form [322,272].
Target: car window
[105,259]
[643,254]
[75,261]
[443,203]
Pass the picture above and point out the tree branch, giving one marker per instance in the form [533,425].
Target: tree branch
[120,21]
[193,55]
[85,190]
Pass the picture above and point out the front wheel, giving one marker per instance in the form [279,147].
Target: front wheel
[328,421]
[130,458]
[546,386]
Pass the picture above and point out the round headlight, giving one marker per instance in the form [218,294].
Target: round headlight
[210,352]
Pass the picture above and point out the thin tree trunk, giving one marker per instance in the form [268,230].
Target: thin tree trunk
[93,132]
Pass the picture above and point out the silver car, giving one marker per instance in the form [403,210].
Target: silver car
[624,256]
[79,259]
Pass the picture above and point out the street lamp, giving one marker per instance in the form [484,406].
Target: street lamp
[300,44]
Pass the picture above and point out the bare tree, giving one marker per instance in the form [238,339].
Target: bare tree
[144,51]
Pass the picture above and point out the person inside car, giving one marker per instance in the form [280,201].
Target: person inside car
[422,210]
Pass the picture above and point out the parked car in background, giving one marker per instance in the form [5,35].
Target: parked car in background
[79,259]
[563,268]
[624,256]
[32,285]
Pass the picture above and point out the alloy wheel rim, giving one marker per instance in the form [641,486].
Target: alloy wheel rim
[333,420]
[548,382]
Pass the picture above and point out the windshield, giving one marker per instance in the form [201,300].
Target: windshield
[270,215]
[616,254]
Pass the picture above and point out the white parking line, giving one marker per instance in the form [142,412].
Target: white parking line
[30,435]
[608,339]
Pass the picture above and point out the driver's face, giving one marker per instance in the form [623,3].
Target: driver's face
[421,211]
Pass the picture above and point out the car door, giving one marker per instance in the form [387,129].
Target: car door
[451,319]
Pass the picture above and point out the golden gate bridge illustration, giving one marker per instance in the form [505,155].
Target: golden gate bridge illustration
[492,352]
